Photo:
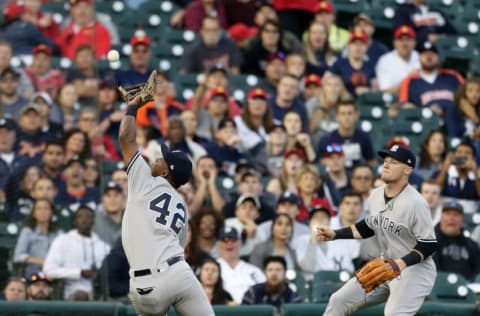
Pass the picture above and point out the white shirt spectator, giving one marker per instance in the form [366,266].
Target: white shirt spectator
[249,138]
[239,279]
[247,245]
[391,69]
[71,253]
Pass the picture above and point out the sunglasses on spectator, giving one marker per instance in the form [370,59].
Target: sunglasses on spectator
[334,149]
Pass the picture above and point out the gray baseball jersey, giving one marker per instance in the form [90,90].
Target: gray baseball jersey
[153,226]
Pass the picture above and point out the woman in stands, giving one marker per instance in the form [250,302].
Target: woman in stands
[432,154]
[295,138]
[92,173]
[275,148]
[208,224]
[210,277]
[293,161]
[67,100]
[77,144]
[467,100]
[317,49]
[15,290]
[36,237]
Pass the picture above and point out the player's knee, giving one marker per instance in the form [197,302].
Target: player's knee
[336,304]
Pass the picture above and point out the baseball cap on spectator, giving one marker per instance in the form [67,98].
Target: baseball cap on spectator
[243,164]
[319,204]
[13,10]
[179,165]
[362,17]
[257,93]
[313,79]
[228,233]
[140,38]
[218,91]
[427,47]
[7,123]
[248,173]
[276,56]
[333,149]
[44,96]
[107,84]
[404,30]
[39,277]
[75,159]
[28,108]
[399,153]
[452,205]
[399,140]
[75,2]
[112,186]
[240,32]
[9,70]
[277,124]
[289,197]
[294,151]
[248,197]
[218,67]
[42,48]
[358,36]
[324,6]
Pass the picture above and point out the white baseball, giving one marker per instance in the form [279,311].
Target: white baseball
[113,55]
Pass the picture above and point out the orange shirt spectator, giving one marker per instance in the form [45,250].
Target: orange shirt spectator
[150,115]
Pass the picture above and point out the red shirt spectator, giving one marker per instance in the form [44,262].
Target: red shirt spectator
[199,9]
[306,5]
[44,21]
[84,29]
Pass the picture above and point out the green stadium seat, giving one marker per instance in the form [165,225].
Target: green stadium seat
[186,85]
[63,218]
[376,98]
[331,276]
[240,310]
[61,7]
[451,287]
[176,36]
[303,287]
[325,283]
[451,9]
[471,220]
[351,6]
[8,235]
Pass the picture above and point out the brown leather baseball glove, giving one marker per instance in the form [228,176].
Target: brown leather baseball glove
[376,272]
[145,90]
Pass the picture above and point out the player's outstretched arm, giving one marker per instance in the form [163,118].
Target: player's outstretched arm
[357,231]
[128,131]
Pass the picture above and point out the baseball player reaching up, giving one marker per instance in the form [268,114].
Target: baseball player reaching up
[154,225]
[400,221]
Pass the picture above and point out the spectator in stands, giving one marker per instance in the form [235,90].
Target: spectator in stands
[459,176]
[287,99]
[206,192]
[20,32]
[431,191]
[84,75]
[226,148]
[337,36]
[39,287]
[210,277]
[216,111]
[237,275]
[242,34]
[52,161]
[467,100]
[268,41]
[117,267]
[76,256]
[208,224]
[456,253]
[67,100]
[322,109]
[110,111]
[43,189]
[45,22]
[194,255]
[36,237]
[296,64]
[396,65]
[334,160]
[275,148]
[77,144]
[275,69]
[364,23]
[320,56]
[255,121]
[250,183]
[361,182]
[198,10]
[25,87]
[429,23]
[214,47]
[109,215]
[157,112]
[356,144]
[50,116]
[294,160]
[41,73]
[312,86]
[191,123]
[12,102]
[92,173]
[247,212]
[434,87]
[21,201]
[295,137]
[84,28]
[102,145]
[30,138]
[275,290]
[314,190]
[119,176]
[140,59]
[432,154]
[15,290]
[278,243]
[74,193]
[357,73]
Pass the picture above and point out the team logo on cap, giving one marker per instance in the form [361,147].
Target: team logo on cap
[394,148]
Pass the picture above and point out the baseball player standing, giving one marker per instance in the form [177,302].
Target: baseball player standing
[154,226]
[400,221]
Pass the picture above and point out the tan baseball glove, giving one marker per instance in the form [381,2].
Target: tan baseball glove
[145,91]
[376,272]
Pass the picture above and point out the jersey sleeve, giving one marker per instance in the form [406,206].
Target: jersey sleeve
[421,221]
[138,172]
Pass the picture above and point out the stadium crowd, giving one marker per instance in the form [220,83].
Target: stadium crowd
[269,167]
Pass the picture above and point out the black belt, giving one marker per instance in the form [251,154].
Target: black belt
[170,262]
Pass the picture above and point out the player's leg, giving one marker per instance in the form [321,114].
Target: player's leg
[191,299]
[408,292]
[352,296]
[149,296]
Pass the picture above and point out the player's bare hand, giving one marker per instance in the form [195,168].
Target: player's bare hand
[135,101]
[401,264]
[324,233]
[88,274]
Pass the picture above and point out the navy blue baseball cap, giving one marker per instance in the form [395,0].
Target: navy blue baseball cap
[179,165]
[452,205]
[399,153]
[228,233]
[426,47]
[7,123]
[289,197]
